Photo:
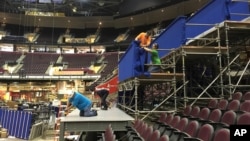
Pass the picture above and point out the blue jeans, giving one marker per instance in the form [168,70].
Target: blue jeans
[87,112]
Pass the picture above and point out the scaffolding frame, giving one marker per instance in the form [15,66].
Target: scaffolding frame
[218,43]
[223,31]
[142,80]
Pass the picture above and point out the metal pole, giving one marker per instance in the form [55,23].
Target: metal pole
[184,77]
[220,62]
[228,59]
[174,81]
[137,83]
[241,76]
[123,98]
[125,107]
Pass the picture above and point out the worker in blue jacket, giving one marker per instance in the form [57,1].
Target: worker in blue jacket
[82,103]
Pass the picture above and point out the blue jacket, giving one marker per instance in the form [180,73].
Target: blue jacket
[80,101]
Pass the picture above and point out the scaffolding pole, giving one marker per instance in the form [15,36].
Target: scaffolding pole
[242,75]
[220,62]
[184,77]
[228,59]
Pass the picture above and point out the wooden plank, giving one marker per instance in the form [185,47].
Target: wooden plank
[238,25]
[195,50]
[199,49]
[162,76]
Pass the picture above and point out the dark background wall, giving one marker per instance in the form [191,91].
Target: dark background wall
[136,6]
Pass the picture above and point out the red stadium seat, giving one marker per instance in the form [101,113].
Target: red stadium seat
[168,119]
[246,96]
[204,114]
[213,103]
[187,110]
[190,131]
[244,119]
[205,133]
[155,136]
[179,128]
[164,138]
[245,106]
[215,115]
[234,105]
[172,125]
[237,96]
[156,123]
[228,118]
[195,111]
[147,133]
[182,124]
[222,105]
[175,121]
[222,135]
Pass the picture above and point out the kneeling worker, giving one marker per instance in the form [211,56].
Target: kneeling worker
[82,103]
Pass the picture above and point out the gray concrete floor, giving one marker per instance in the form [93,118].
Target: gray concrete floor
[49,137]
[37,139]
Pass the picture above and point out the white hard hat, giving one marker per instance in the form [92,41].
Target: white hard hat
[71,92]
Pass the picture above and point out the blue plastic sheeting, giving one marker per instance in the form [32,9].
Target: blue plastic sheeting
[18,123]
[238,10]
[172,37]
[213,13]
[177,33]
[125,64]
[1,116]
[132,62]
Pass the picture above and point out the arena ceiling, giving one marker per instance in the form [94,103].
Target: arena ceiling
[69,7]
[87,13]
[78,13]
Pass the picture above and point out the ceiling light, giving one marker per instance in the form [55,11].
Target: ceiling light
[101,3]
[74,9]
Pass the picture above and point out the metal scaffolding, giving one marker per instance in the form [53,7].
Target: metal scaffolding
[210,66]
[225,42]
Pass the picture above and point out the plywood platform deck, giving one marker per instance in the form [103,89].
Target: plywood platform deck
[114,116]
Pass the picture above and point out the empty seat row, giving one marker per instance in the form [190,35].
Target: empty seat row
[216,115]
[177,127]
[108,135]
[142,131]
[241,96]
[182,128]
[224,104]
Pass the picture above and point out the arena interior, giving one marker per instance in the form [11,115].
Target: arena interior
[48,47]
